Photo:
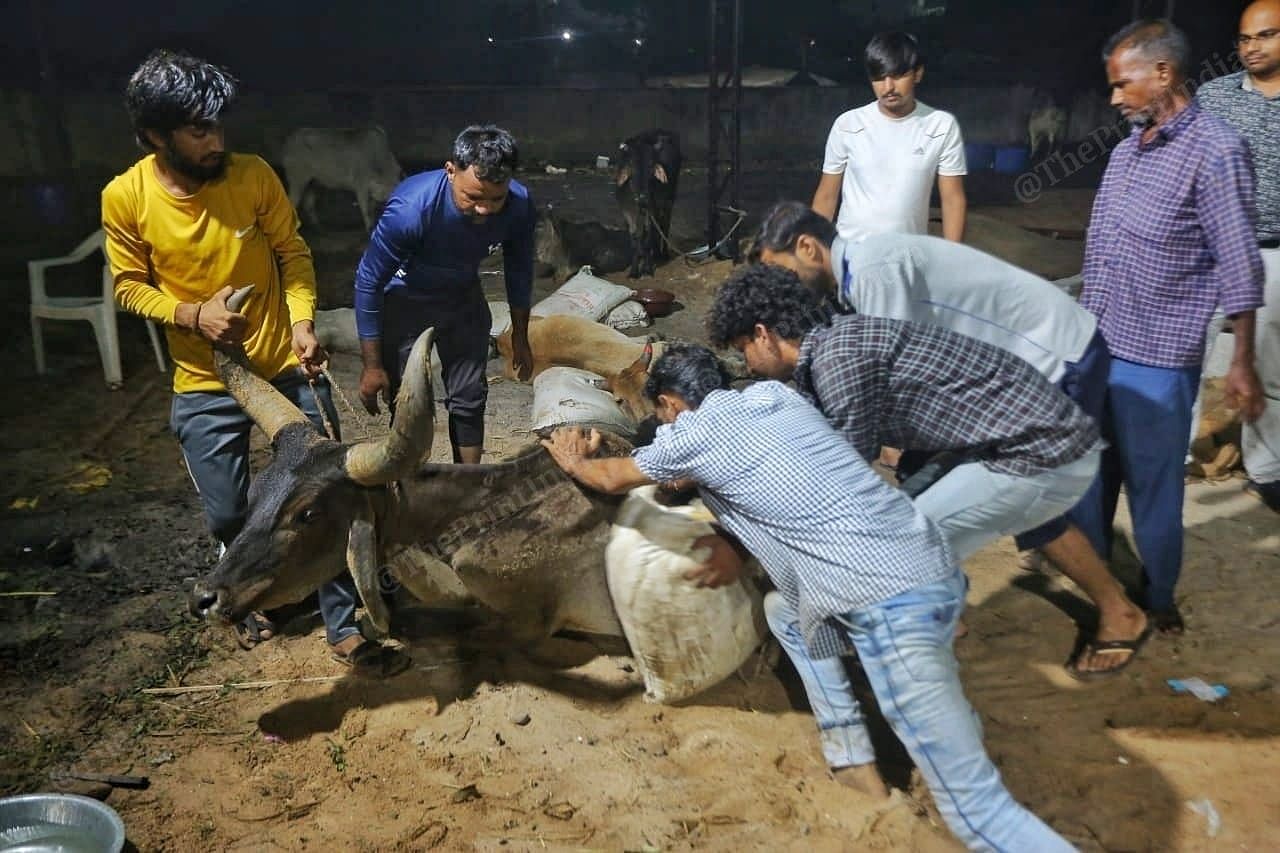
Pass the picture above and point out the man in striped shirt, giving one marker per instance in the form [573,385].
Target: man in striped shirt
[1171,238]
[853,556]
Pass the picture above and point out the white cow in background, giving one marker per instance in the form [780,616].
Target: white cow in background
[1046,129]
[355,159]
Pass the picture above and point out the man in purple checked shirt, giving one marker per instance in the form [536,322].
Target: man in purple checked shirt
[1172,237]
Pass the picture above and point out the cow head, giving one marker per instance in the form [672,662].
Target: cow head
[313,509]
[628,386]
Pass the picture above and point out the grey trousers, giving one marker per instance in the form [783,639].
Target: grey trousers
[214,433]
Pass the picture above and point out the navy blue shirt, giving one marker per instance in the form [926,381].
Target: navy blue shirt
[424,244]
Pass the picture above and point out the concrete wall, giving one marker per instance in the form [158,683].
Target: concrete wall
[556,125]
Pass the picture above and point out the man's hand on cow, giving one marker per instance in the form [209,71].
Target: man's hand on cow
[570,445]
[307,348]
[374,383]
[216,323]
[722,567]
[521,356]
[1243,391]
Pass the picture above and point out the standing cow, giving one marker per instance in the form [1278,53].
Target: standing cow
[1046,130]
[355,159]
[648,170]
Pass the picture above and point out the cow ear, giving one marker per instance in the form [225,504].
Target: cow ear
[624,175]
[646,357]
[659,173]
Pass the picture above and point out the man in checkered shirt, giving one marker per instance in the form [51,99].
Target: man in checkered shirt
[927,280]
[1171,238]
[851,555]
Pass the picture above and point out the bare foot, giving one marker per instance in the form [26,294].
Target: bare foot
[863,778]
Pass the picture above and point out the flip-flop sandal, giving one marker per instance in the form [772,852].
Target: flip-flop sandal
[254,629]
[1108,647]
[374,660]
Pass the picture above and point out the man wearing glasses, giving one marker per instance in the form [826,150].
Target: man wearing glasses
[1249,101]
[1171,238]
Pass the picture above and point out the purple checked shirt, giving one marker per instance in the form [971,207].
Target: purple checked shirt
[1171,238]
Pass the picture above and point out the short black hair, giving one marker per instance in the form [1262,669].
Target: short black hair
[892,54]
[490,149]
[171,90]
[784,223]
[770,295]
[688,370]
[1157,39]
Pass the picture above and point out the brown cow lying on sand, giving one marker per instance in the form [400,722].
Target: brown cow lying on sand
[565,340]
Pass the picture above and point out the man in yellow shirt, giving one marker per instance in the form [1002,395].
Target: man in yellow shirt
[186,225]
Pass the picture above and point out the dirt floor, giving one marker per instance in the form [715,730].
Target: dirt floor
[482,746]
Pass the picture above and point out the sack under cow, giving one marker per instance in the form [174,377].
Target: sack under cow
[684,639]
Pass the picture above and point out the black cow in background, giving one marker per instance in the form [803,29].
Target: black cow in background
[648,170]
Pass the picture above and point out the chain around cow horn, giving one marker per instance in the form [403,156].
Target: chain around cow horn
[261,401]
[412,428]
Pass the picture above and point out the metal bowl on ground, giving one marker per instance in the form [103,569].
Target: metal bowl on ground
[59,823]
[656,301]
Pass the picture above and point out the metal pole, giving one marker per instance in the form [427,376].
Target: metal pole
[713,124]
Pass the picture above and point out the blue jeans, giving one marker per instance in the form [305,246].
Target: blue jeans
[214,433]
[1145,423]
[904,644]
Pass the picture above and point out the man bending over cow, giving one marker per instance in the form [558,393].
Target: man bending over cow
[928,280]
[184,225]
[422,269]
[1026,452]
[855,559]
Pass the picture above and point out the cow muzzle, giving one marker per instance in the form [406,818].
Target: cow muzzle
[206,601]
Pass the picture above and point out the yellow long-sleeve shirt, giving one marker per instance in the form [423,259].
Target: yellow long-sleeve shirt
[239,229]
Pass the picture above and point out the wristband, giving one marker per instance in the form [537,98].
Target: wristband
[195,324]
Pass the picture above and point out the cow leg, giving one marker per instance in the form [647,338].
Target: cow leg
[366,210]
[298,182]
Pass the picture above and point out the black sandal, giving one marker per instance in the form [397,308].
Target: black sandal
[374,660]
[254,629]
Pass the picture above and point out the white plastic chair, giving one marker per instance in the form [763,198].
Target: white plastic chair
[100,311]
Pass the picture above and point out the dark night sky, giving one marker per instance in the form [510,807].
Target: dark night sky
[295,45]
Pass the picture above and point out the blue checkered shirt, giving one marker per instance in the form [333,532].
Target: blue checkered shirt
[917,386]
[1171,238]
[831,534]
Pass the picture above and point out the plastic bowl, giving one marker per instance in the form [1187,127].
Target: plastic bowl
[63,822]
[656,301]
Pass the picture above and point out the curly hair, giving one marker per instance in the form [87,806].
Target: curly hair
[689,370]
[171,90]
[770,295]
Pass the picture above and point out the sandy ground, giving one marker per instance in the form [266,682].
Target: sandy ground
[482,746]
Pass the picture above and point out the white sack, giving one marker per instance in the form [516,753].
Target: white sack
[684,639]
[584,295]
[569,396]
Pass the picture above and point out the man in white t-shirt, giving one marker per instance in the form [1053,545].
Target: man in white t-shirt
[881,158]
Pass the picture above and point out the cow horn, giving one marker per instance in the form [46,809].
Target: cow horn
[375,463]
[268,408]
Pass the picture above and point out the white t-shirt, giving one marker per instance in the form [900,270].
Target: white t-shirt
[930,280]
[888,166]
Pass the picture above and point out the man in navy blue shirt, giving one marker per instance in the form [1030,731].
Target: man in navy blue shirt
[422,269]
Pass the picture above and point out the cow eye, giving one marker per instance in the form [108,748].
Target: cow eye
[307,516]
